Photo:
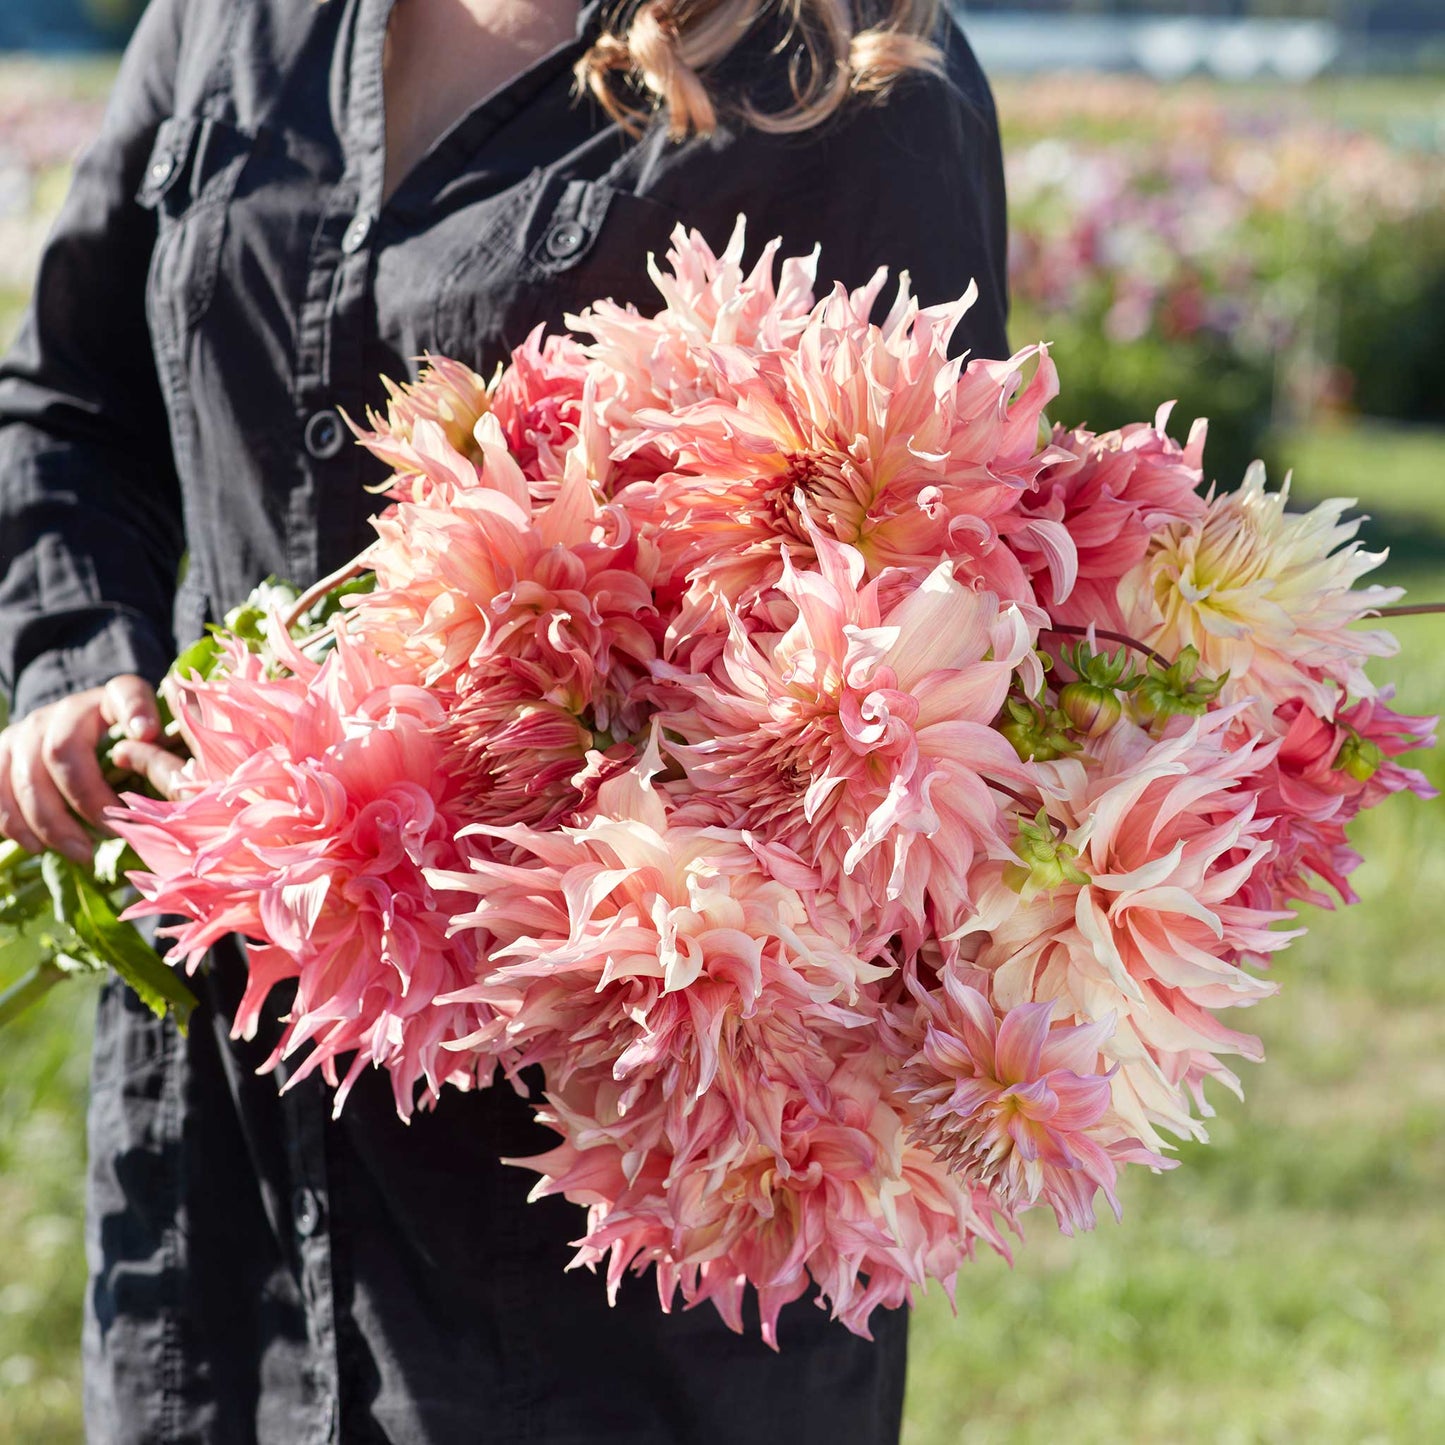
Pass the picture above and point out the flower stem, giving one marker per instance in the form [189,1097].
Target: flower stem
[1411,609]
[1123,637]
[28,990]
[12,855]
[1059,827]
[313,594]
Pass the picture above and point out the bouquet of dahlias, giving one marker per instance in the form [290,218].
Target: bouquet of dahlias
[860,804]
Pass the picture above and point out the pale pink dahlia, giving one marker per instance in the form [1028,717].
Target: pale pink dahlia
[1264,594]
[1168,837]
[312,808]
[642,940]
[1017,1104]
[863,740]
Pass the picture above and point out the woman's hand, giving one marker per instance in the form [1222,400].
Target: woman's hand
[51,776]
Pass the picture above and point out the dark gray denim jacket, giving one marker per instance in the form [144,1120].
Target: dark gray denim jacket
[223,279]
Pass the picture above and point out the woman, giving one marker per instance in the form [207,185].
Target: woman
[290,198]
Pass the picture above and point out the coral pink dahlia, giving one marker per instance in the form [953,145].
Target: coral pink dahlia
[312,807]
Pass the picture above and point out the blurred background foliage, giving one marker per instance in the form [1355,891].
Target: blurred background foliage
[1275,260]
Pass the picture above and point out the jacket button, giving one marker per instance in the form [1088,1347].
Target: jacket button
[354,237]
[324,435]
[306,1212]
[565,239]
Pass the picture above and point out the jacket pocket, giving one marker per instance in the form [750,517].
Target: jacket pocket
[560,244]
[189,179]
[591,241]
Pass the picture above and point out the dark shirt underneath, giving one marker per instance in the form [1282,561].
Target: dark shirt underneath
[222,281]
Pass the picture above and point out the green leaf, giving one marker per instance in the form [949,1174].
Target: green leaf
[200,657]
[155,981]
[106,942]
[20,904]
[59,875]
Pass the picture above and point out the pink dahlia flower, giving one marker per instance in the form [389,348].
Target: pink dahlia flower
[775,1188]
[1017,1104]
[312,807]
[885,442]
[713,312]
[488,572]
[538,615]
[1113,493]
[1168,837]
[538,400]
[863,740]
[438,412]
[1323,775]
[642,940]
[703,1025]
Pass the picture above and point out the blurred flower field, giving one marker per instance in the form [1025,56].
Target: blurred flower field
[47,112]
[1266,260]
[1282,268]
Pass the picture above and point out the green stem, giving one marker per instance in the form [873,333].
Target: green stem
[28,990]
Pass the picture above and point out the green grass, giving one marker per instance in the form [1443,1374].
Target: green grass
[1397,474]
[42,1269]
[1393,468]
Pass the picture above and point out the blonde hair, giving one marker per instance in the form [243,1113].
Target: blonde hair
[660,48]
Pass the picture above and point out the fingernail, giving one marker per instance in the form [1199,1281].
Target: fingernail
[138,726]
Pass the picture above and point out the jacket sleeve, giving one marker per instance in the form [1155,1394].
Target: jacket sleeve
[90,519]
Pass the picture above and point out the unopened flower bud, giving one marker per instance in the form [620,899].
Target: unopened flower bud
[1092,710]
[1036,735]
[1359,758]
[1175,690]
[1046,861]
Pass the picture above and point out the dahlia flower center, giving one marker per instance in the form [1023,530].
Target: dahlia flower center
[802,470]
[820,480]
[1217,574]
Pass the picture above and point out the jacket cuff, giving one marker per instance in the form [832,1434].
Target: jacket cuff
[115,644]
